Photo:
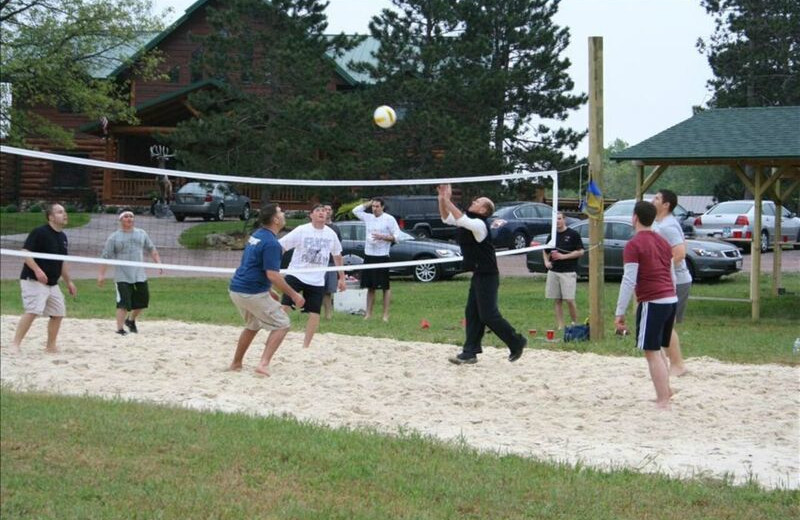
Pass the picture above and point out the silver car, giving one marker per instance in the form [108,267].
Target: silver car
[732,221]
[209,200]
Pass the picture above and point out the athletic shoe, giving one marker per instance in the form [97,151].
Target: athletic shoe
[122,332]
[464,359]
[131,325]
[516,352]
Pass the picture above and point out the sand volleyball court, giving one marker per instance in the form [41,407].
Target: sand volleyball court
[727,420]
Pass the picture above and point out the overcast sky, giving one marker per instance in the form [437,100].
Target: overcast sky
[653,74]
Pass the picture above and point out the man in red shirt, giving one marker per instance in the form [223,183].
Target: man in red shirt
[648,272]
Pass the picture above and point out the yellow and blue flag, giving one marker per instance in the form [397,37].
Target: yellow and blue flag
[593,204]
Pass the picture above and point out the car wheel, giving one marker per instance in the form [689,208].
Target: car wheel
[426,273]
[245,212]
[519,241]
[206,218]
[179,217]
[764,241]
[220,213]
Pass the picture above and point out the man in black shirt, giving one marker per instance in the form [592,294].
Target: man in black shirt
[562,266]
[479,257]
[41,295]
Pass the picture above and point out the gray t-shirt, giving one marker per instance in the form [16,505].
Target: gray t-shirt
[670,229]
[129,246]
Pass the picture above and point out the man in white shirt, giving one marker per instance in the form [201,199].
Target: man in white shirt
[313,244]
[670,229]
[382,232]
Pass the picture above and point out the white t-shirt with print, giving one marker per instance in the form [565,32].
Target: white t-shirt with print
[312,248]
[384,225]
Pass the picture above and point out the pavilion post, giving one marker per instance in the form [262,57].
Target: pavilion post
[596,224]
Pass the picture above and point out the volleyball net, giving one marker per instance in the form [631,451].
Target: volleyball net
[200,224]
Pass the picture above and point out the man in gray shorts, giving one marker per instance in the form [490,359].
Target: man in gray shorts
[670,229]
[562,266]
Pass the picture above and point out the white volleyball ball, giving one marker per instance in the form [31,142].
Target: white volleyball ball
[384,116]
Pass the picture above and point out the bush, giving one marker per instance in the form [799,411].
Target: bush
[11,208]
[112,210]
[35,208]
[71,208]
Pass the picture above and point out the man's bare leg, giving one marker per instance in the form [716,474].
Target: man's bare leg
[573,310]
[327,306]
[387,301]
[274,341]
[659,373]
[121,315]
[370,303]
[23,326]
[245,339]
[52,333]
[559,314]
[676,366]
[311,328]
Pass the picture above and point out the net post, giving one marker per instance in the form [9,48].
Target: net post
[596,224]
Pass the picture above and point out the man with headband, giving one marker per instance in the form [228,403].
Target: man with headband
[133,295]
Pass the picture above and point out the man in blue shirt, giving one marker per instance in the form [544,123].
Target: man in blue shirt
[251,289]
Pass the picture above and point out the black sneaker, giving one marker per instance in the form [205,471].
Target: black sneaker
[516,352]
[464,359]
[131,325]
[122,332]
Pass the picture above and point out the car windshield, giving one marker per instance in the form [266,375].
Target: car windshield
[725,208]
[620,209]
[196,188]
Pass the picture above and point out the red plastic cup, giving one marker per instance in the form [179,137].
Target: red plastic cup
[532,332]
[551,334]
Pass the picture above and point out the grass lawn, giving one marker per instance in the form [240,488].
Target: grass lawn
[195,236]
[14,223]
[70,457]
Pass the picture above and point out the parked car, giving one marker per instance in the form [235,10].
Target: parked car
[418,215]
[732,221]
[624,208]
[405,249]
[706,259]
[513,224]
[209,200]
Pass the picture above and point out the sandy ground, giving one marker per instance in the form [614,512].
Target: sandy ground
[730,421]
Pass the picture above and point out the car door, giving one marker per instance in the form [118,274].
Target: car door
[537,219]
[617,235]
[768,219]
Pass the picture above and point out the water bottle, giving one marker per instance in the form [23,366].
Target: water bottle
[796,348]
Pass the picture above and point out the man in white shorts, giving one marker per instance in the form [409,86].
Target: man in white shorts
[562,266]
[41,295]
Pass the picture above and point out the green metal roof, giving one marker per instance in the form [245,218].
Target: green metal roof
[725,133]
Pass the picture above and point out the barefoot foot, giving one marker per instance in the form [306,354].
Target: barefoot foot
[262,371]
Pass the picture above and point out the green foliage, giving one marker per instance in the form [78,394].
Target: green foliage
[56,54]
[35,208]
[11,208]
[753,52]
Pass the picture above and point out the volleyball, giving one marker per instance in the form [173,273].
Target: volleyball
[384,116]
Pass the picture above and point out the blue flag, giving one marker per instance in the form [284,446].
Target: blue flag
[593,205]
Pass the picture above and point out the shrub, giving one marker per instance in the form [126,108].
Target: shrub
[35,208]
[112,210]
[11,208]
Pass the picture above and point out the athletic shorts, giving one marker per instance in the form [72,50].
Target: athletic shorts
[375,278]
[331,282]
[42,299]
[654,325]
[683,300]
[260,311]
[132,295]
[312,293]
[561,286]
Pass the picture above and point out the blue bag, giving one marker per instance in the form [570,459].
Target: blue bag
[576,333]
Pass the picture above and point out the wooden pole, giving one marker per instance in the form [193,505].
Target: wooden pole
[777,248]
[596,225]
[755,249]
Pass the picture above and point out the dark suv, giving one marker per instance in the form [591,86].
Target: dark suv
[418,215]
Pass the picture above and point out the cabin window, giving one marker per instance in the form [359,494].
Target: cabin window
[68,176]
[175,74]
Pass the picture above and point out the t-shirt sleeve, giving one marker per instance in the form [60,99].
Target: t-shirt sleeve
[630,255]
[290,240]
[108,248]
[672,235]
[336,244]
[148,244]
[32,240]
[578,240]
[271,256]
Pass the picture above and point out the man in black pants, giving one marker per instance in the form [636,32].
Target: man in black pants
[479,257]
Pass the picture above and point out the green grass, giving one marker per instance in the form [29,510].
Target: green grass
[88,458]
[15,223]
[81,458]
[717,329]
[195,236]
